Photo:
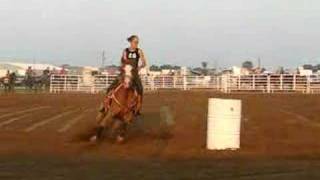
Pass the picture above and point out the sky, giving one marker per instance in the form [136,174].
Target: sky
[182,32]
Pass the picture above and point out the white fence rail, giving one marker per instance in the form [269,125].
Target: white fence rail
[272,83]
[225,83]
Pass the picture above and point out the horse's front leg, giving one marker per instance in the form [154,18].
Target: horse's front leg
[102,124]
[122,132]
[121,128]
[101,114]
[118,130]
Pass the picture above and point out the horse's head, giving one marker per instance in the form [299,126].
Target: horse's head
[127,75]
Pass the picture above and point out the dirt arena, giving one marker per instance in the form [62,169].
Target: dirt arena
[40,139]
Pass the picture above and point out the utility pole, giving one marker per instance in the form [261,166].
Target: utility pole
[33,62]
[103,60]
[216,65]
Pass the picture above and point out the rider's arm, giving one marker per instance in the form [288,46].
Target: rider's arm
[124,59]
[143,59]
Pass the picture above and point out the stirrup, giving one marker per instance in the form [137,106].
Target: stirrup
[102,110]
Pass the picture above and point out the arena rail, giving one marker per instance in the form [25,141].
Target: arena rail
[275,83]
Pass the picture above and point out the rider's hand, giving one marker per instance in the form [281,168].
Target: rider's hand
[126,61]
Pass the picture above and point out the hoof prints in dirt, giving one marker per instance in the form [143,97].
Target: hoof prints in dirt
[36,118]
[147,129]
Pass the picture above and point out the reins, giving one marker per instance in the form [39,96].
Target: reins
[113,97]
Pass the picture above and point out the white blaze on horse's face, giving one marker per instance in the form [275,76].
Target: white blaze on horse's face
[127,75]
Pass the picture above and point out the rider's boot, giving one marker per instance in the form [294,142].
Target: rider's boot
[101,108]
[139,106]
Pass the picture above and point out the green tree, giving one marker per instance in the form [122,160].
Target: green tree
[308,66]
[154,68]
[247,65]
[204,64]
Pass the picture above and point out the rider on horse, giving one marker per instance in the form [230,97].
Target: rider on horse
[134,56]
[29,72]
[46,72]
[124,96]
[6,81]
[29,78]
[9,81]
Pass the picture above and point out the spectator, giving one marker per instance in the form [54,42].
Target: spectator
[62,71]
[46,71]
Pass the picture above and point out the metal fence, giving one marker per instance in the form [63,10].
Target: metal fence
[225,83]
[94,84]
[271,83]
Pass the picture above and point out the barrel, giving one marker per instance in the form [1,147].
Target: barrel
[224,122]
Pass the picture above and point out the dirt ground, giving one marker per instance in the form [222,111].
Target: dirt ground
[39,139]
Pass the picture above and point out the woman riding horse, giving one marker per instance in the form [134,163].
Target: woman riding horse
[124,97]
[132,55]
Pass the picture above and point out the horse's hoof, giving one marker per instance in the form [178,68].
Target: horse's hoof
[120,140]
[93,139]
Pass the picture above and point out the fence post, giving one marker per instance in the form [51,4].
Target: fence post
[107,81]
[51,87]
[268,84]
[294,86]
[253,82]
[217,83]
[197,81]
[174,81]
[163,84]
[93,82]
[308,84]
[225,83]
[184,82]
[152,82]
[78,83]
[65,83]
[281,82]
[239,82]
[219,79]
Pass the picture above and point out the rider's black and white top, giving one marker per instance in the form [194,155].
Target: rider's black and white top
[133,55]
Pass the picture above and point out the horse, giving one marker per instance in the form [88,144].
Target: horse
[37,82]
[29,82]
[120,107]
[8,82]
[3,81]
[43,81]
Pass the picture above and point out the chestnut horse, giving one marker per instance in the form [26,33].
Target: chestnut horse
[120,107]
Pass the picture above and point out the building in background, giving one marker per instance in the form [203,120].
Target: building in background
[302,70]
[8,67]
[81,70]
[20,68]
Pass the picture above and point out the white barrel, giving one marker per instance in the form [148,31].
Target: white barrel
[224,122]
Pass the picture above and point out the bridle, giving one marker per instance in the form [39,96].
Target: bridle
[127,78]
[126,72]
